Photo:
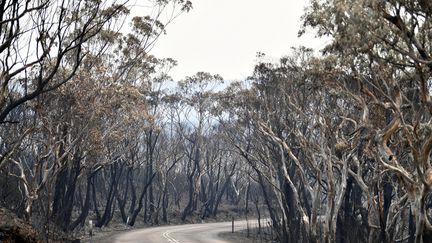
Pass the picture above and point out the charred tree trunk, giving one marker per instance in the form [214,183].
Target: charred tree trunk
[165,203]
[384,202]
[220,195]
[115,174]
[191,191]
[121,200]
[85,208]
[140,201]
[95,201]
[65,188]
[151,141]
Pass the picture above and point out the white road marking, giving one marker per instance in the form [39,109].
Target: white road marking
[169,238]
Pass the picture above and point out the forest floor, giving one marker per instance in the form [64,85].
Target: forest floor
[253,237]
[252,232]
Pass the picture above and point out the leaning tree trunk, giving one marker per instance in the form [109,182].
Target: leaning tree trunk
[140,201]
[115,174]
[189,207]
[121,199]
[86,206]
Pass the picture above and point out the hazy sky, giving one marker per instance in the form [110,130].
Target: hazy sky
[223,36]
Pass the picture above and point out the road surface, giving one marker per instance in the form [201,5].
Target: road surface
[188,233]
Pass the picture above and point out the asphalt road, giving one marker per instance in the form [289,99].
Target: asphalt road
[188,233]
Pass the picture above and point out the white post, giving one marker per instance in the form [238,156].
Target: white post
[91,229]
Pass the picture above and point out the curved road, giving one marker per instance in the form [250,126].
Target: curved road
[188,233]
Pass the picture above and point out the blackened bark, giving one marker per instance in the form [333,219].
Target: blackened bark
[85,208]
[108,212]
[165,203]
[281,232]
[140,201]
[189,207]
[220,194]
[133,194]
[121,200]
[95,201]
[411,227]
[388,191]
[65,188]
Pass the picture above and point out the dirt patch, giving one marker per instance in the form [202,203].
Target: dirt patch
[101,234]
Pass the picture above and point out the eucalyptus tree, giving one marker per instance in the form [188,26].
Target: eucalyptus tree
[285,124]
[196,93]
[384,48]
[69,92]
[42,49]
